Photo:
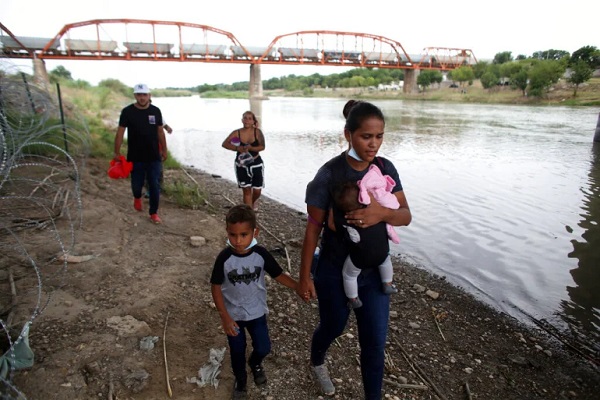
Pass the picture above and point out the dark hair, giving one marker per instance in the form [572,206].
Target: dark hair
[253,117]
[241,213]
[345,196]
[357,111]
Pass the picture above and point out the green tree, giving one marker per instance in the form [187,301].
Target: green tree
[80,84]
[480,68]
[60,73]
[463,74]
[502,57]
[550,54]
[244,86]
[520,80]
[424,79]
[437,77]
[589,54]
[510,68]
[116,86]
[206,88]
[489,80]
[357,81]
[580,72]
[542,75]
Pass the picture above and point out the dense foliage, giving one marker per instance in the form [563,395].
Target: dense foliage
[536,74]
[368,77]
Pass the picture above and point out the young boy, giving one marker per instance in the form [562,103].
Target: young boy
[240,295]
[369,247]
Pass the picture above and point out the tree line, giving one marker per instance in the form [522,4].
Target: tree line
[533,75]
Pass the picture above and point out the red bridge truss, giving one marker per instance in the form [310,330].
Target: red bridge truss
[128,39]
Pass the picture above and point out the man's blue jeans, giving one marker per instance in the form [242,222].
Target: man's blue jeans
[371,318]
[261,346]
[149,171]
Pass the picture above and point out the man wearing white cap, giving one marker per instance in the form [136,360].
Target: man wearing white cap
[146,147]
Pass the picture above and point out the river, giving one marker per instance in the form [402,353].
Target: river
[505,199]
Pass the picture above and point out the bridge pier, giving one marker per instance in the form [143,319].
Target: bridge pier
[256,87]
[40,75]
[410,81]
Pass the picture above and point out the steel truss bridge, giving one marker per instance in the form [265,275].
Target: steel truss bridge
[144,40]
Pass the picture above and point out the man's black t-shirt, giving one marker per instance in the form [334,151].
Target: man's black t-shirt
[142,132]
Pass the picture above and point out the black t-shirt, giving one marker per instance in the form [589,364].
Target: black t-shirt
[318,194]
[142,132]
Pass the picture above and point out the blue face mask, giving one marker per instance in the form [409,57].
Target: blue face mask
[352,153]
[251,245]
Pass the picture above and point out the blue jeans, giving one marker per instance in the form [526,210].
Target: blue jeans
[371,318]
[261,346]
[149,171]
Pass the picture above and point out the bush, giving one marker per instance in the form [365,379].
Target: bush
[116,86]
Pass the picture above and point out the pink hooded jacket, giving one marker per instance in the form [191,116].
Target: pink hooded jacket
[380,186]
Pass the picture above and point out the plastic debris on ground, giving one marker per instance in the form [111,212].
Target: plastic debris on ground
[208,373]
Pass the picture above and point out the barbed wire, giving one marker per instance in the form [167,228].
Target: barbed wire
[40,210]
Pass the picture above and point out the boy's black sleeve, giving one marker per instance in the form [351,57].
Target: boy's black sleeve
[218,273]
[272,267]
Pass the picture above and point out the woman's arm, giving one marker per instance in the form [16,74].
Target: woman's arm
[261,142]
[375,213]
[306,287]
[227,142]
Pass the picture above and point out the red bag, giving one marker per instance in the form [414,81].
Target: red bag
[120,169]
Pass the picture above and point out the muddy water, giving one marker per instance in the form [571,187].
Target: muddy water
[505,199]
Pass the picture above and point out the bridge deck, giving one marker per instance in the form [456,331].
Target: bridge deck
[99,39]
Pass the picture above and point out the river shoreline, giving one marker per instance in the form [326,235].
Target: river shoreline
[560,94]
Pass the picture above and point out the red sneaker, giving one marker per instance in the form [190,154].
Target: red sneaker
[137,204]
[155,218]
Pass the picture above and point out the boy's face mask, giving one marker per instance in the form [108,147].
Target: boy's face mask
[251,245]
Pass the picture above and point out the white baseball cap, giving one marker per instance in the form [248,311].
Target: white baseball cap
[141,88]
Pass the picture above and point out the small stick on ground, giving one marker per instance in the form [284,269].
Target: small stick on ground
[13,302]
[111,387]
[438,325]
[468,391]
[420,372]
[405,385]
[169,391]
[197,187]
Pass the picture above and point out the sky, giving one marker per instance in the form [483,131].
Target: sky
[521,27]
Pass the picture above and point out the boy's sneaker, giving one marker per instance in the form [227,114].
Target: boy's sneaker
[155,218]
[389,288]
[354,303]
[259,375]
[137,204]
[322,376]
[239,391]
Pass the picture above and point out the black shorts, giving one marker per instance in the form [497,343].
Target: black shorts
[251,175]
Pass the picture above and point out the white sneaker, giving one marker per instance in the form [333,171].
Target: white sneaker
[322,376]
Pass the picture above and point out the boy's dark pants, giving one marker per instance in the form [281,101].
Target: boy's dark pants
[261,346]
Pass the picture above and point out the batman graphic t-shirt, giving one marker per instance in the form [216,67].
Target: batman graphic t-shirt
[242,280]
